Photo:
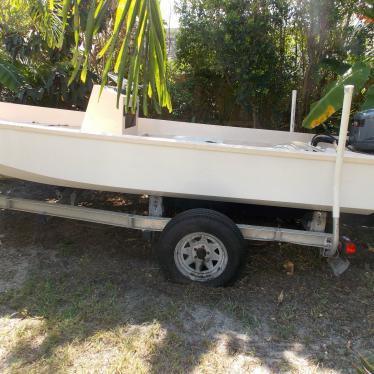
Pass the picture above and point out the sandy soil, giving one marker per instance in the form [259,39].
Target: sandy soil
[78,297]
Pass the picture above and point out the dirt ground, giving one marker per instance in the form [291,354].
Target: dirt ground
[84,298]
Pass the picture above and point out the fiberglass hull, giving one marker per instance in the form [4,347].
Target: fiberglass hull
[182,168]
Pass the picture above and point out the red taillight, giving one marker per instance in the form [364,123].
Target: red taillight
[350,248]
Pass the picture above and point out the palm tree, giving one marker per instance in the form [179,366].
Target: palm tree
[137,35]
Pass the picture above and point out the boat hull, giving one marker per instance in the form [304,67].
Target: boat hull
[169,167]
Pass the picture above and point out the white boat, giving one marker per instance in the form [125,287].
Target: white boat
[95,150]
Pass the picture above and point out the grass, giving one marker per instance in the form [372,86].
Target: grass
[73,318]
[88,321]
[93,301]
[240,311]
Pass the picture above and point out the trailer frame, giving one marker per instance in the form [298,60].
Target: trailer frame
[157,223]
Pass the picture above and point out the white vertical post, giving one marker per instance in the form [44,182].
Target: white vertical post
[348,92]
[293,111]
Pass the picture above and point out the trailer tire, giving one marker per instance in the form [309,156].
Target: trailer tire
[201,246]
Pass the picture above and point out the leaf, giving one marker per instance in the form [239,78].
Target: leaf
[77,65]
[100,14]
[77,56]
[136,60]
[281,297]
[64,16]
[333,100]
[111,44]
[89,34]
[9,77]
[369,99]
[145,77]
[45,17]
[289,267]
[335,65]
[121,12]
[122,58]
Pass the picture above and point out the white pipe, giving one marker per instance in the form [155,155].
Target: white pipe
[293,111]
[348,92]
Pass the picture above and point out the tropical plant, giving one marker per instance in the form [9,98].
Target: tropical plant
[136,49]
[360,74]
[239,60]
[33,72]
[10,76]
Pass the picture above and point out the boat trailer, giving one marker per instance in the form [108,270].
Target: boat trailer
[314,237]
[204,245]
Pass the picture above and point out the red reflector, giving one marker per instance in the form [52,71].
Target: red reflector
[350,248]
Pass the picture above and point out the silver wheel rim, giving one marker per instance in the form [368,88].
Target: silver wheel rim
[200,256]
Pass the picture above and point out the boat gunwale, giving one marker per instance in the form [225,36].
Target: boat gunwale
[350,156]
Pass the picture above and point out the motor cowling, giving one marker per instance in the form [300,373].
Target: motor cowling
[361,134]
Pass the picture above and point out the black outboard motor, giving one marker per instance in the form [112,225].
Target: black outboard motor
[361,134]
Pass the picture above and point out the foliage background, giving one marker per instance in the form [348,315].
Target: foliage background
[43,71]
[236,63]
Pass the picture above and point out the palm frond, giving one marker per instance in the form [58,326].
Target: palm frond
[138,34]
[45,15]
[136,50]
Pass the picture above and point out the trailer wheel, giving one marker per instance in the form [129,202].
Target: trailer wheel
[201,245]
